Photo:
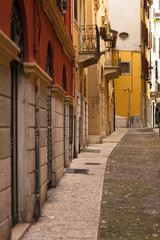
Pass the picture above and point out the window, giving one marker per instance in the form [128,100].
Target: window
[156,69]
[85,86]
[75,10]
[154,44]
[48,63]
[17,29]
[64,81]
[125,68]
[123,35]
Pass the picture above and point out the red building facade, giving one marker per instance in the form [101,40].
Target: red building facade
[36,91]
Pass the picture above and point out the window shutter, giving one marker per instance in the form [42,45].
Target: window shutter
[75,10]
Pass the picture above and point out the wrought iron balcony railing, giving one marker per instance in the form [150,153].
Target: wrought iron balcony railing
[89,38]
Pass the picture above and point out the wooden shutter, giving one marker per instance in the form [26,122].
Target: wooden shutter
[75,10]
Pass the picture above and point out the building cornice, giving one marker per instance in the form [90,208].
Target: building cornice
[58,92]
[111,72]
[52,11]
[69,100]
[33,71]
[8,50]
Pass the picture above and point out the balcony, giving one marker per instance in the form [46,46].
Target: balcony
[89,47]
[112,68]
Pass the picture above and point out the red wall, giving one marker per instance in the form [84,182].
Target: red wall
[34,50]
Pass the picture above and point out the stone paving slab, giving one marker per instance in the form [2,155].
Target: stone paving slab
[72,210]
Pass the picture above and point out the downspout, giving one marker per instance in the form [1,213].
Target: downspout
[37,154]
[64,127]
[131,72]
[114,110]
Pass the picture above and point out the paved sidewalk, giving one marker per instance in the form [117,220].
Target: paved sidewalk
[130,207]
[72,210]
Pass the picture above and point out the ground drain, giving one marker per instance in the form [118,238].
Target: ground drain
[91,150]
[93,164]
[77,171]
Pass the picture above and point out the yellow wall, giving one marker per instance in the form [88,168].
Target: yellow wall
[132,82]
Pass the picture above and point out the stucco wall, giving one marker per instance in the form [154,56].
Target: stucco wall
[125,17]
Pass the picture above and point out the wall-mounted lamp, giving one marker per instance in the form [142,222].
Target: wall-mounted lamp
[103,52]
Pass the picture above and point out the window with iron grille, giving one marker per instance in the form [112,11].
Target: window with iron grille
[75,10]
[17,29]
[156,69]
[70,124]
[125,68]
[48,63]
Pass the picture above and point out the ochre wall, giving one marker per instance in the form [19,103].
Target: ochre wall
[132,82]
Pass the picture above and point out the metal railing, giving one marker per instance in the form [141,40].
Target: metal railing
[89,38]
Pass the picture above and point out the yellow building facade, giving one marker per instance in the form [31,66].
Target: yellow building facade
[101,77]
[94,72]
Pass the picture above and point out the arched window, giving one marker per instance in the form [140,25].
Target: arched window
[49,62]
[16,29]
[64,81]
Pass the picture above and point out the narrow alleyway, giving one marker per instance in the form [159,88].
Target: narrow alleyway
[130,207]
[129,198]
[73,208]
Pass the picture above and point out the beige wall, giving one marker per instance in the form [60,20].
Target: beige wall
[125,17]
[5,153]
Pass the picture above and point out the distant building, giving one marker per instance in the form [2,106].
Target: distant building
[155,62]
[132,89]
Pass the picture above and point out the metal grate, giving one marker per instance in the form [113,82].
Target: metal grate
[93,164]
[91,150]
[77,171]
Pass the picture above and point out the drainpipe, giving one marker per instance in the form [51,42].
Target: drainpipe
[64,132]
[114,110]
[37,154]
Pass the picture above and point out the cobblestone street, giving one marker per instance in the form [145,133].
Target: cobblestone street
[130,207]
